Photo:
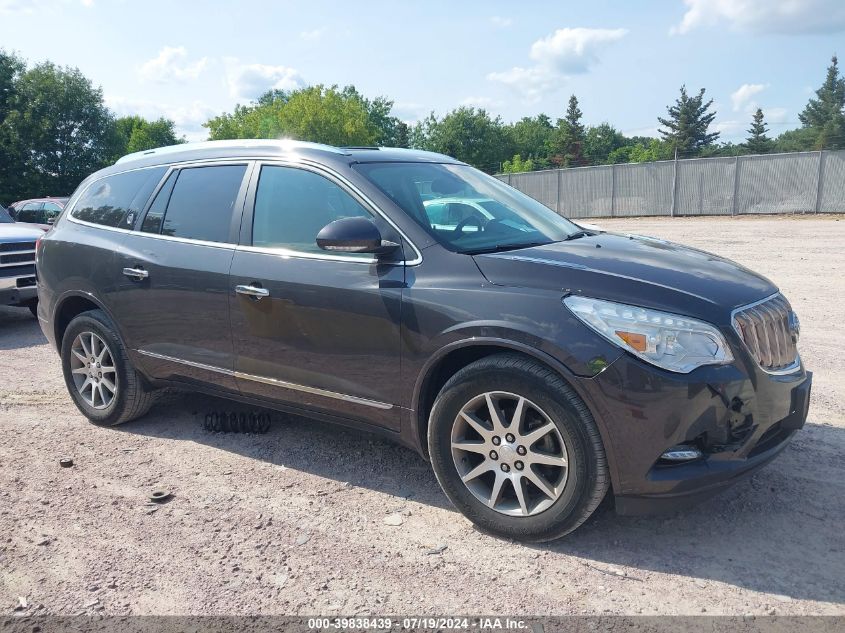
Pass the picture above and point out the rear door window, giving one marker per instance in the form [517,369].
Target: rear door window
[30,212]
[116,200]
[201,205]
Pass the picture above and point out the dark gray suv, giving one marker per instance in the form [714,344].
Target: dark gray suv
[537,364]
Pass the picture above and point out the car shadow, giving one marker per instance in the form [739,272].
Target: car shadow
[778,532]
[19,329]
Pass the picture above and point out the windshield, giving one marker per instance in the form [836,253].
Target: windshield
[466,210]
[4,216]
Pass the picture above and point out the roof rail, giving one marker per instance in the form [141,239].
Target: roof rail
[284,144]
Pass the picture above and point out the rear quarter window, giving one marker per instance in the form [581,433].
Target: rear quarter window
[115,201]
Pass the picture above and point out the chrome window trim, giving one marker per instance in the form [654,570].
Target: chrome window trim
[272,381]
[791,369]
[293,161]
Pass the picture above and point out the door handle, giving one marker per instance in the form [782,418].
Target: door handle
[136,273]
[254,292]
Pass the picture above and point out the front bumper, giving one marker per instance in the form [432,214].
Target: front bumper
[738,415]
[16,291]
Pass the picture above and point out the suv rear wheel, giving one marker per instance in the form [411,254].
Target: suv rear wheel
[104,385]
[516,450]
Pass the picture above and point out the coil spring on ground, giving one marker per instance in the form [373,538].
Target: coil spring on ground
[240,422]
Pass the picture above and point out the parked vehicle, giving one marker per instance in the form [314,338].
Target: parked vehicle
[17,263]
[535,363]
[39,211]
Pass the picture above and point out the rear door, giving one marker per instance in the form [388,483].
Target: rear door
[173,298]
[314,329]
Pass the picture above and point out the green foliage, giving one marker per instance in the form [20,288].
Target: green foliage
[517,165]
[136,134]
[687,124]
[600,141]
[824,115]
[58,128]
[644,151]
[568,137]
[468,134]
[758,142]
[316,113]
[11,154]
[531,137]
[802,139]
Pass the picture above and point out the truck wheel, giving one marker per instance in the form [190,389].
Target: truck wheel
[104,385]
[516,450]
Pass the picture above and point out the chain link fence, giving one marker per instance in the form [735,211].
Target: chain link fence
[801,182]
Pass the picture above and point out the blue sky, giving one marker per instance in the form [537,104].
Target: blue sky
[625,61]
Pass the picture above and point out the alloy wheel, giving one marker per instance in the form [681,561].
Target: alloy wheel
[93,370]
[509,454]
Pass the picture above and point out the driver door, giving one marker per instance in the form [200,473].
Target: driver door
[312,329]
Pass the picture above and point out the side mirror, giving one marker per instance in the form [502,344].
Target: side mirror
[354,235]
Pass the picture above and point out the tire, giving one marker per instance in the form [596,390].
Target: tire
[569,493]
[131,397]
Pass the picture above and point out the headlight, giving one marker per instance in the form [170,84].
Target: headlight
[670,341]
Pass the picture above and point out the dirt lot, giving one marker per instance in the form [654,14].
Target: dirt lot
[294,521]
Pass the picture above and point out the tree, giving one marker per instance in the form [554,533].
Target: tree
[568,141]
[58,118]
[824,115]
[403,135]
[135,134]
[600,142]
[468,134]
[687,124]
[315,113]
[11,154]
[517,165]
[531,137]
[757,141]
[802,139]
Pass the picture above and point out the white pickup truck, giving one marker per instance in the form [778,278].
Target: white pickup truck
[17,263]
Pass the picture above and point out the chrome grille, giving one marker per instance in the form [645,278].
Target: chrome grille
[765,329]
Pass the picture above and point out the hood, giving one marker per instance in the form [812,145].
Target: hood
[14,232]
[633,269]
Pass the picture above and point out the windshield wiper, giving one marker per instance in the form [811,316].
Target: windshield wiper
[500,248]
[577,234]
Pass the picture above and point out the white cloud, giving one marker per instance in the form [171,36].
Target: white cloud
[565,52]
[765,16]
[573,51]
[501,22]
[249,81]
[187,118]
[88,3]
[313,35]
[742,98]
[172,65]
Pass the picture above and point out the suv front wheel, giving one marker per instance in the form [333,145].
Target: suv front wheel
[516,450]
[104,385]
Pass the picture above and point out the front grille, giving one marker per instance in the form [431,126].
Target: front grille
[18,271]
[17,246]
[17,258]
[766,331]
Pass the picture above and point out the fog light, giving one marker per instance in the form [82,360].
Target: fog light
[682,453]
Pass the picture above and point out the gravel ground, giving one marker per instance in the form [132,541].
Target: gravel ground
[293,522]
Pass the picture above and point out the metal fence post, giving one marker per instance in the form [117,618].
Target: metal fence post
[673,209]
[559,178]
[736,185]
[820,181]
[613,190]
